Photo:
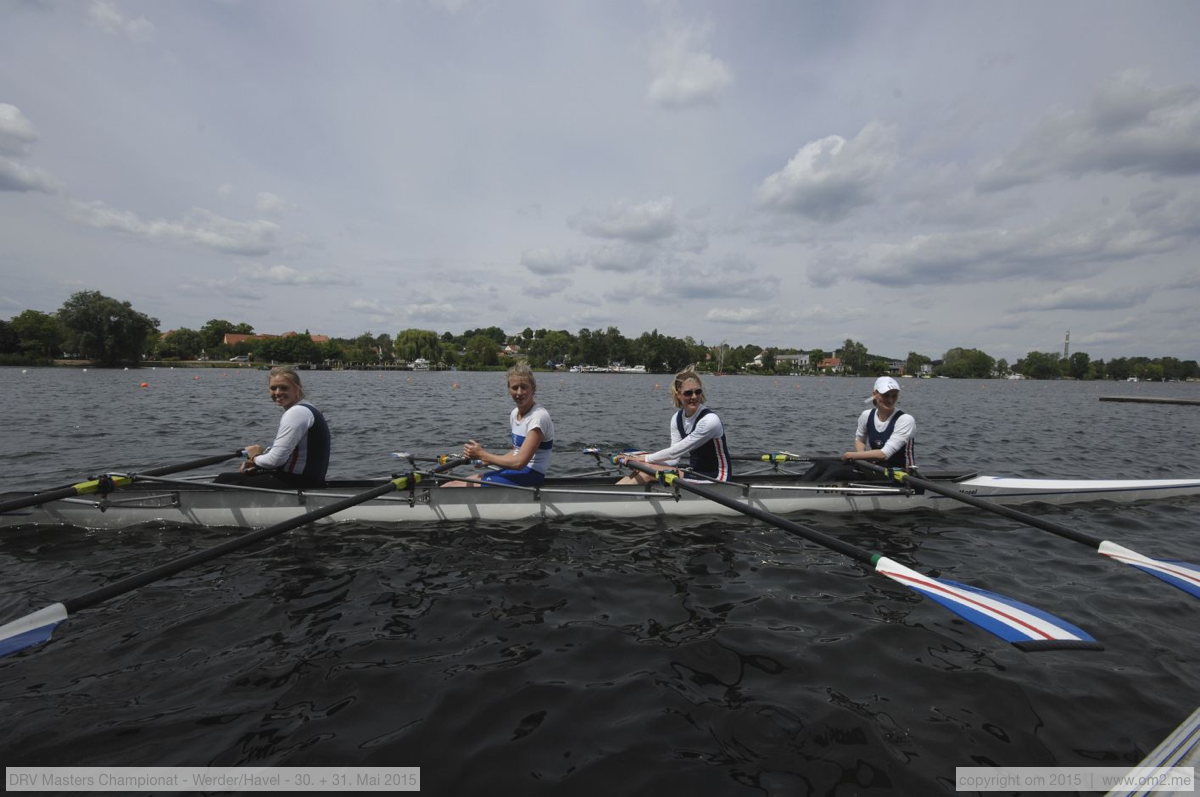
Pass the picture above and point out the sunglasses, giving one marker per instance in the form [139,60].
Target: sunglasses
[689,393]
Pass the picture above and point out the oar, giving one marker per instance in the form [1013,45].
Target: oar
[34,629]
[1026,627]
[776,456]
[109,482]
[1184,575]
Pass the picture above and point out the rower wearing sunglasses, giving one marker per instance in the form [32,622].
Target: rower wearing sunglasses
[695,430]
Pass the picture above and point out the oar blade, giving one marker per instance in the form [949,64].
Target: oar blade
[30,630]
[1184,575]
[1025,626]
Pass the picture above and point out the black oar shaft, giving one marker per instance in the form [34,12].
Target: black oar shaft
[87,487]
[184,562]
[807,532]
[982,503]
[199,463]
[39,498]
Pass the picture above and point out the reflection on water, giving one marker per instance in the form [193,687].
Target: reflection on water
[596,657]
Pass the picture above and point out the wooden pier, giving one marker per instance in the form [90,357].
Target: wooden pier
[1150,400]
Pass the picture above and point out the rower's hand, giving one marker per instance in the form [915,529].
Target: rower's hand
[251,452]
[472,450]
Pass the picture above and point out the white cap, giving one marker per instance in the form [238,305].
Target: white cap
[885,383]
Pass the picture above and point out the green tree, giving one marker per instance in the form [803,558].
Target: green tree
[41,334]
[292,349]
[1172,368]
[180,344]
[551,347]
[414,344]
[854,356]
[768,360]
[104,329]
[1149,371]
[914,361]
[1119,368]
[1077,365]
[495,334]
[10,341]
[212,334]
[385,347]
[959,363]
[591,348]
[1002,367]
[482,351]
[1039,365]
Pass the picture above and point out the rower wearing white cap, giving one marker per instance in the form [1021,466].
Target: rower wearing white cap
[885,434]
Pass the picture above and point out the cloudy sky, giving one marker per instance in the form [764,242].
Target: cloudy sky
[912,175]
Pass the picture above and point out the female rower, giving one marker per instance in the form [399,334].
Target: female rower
[695,430]
[532,438]
[299,455]
[884,437]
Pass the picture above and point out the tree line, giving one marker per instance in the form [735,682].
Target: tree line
[108,331]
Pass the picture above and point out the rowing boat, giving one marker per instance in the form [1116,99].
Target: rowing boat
[200,502]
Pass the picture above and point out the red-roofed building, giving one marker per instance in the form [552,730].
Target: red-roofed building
[233,339]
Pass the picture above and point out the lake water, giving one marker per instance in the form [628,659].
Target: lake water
[715,657]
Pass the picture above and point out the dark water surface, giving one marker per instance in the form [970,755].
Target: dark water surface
[582,657]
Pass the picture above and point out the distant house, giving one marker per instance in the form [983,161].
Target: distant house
[798,362]
[832,365]
[795,362]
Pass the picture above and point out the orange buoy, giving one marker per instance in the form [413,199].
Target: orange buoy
[145,384]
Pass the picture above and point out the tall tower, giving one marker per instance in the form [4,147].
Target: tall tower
[1067,346]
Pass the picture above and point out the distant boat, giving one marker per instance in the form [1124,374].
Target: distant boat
[1132,379]
[420,364]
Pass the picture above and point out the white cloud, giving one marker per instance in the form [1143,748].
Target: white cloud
[550,286]
[685,73]
[109,18]
[621,257]
[727,279]
[1130,127]
[286,275]
[267,202]
[740,315]
[642,222]
[1058,249]
[830,178]
[549,261]
[1083,297]
[17,177]
[201,228]
[16,131]
[429,312]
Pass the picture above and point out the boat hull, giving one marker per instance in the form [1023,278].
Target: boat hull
[200,503]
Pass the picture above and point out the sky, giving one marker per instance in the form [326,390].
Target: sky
[914,176]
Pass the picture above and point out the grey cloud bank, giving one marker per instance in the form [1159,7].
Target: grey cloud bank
[913,176]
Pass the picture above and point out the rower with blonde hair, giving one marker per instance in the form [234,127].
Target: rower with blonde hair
[696,431]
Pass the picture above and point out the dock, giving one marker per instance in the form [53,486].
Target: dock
[1150,400]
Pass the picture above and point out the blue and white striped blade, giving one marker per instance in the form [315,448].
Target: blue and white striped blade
[32,629]
[1021,624]
[1184,575]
